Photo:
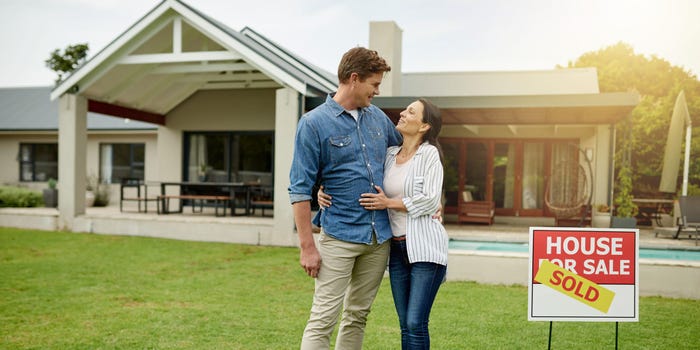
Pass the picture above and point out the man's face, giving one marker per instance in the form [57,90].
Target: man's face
[363,91]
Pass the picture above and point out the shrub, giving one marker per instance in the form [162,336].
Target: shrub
[625,208]
[100,189]
[693,190]
[17,197]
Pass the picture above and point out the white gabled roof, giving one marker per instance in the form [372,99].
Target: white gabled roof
[175,50]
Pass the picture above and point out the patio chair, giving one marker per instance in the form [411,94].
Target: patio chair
[134,190]
[566,194]
[261,198]
[689,218]
[475,211]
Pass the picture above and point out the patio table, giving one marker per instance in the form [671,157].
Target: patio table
[190,191]
[651,208]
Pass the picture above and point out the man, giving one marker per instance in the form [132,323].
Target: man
[341,145]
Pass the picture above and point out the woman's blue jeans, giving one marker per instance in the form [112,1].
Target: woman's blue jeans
[414,287]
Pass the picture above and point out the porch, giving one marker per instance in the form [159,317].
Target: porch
[205,226]
[668,278]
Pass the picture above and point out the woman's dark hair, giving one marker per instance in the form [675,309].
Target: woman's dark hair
[362,61]
[431,116]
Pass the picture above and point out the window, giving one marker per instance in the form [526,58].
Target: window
[38,161]
[122,160]
[229,157]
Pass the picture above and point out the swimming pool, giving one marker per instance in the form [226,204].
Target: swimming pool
[510,247]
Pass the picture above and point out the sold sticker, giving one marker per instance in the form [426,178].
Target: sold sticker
[574,286]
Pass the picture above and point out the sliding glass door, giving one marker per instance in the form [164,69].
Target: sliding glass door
[510,172]
[229,157]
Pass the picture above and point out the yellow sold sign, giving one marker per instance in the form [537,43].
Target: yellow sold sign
[574,286]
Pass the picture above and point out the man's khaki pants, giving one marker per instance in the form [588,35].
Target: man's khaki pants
[350,275]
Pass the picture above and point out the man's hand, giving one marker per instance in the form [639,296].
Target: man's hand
[309,257]
[310,260]
[323,198]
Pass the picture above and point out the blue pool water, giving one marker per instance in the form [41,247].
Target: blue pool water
[644,253]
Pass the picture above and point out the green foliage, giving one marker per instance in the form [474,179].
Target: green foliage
[658,83]
[693,190]
[624,207]
[77,291]
[18,197]
[450,171]
[51,183]
[67,61]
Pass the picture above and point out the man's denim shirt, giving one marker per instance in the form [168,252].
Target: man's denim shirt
[347,158]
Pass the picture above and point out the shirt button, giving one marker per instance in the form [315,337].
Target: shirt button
[363,145]
[341,143]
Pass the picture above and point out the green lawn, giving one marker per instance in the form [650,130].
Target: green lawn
[78,291]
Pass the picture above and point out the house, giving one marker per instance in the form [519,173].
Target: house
[229,101]
[116,147]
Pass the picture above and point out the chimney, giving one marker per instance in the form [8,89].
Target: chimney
[385,38]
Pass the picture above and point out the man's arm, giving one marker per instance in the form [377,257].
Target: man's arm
[309,258]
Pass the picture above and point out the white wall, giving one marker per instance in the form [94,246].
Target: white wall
[9,150]
[211,110]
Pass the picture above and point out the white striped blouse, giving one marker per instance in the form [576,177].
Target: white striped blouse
[426,238]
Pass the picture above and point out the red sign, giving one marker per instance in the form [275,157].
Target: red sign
[602,257]
[583,274]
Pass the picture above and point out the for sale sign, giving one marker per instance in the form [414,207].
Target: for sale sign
[583,274]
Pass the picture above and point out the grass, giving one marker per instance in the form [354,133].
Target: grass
[78,291]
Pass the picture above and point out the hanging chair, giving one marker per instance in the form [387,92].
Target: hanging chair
[567,190]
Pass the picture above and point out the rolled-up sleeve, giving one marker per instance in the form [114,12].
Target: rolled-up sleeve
[305,164]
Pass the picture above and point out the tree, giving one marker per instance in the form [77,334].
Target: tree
[658,83]
[67,61]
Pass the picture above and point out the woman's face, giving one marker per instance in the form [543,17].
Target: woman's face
[411,121]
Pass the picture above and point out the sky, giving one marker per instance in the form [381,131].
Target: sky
[438,35]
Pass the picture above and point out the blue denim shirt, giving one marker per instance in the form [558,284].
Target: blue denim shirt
[347,158]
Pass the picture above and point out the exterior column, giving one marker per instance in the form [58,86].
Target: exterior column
[601,165]
[287,115]
[72,145]
[169,163]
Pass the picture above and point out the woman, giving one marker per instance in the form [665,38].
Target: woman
[413,178]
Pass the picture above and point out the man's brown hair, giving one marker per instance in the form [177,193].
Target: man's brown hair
[362,61]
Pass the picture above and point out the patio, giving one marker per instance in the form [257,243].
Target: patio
[679,279]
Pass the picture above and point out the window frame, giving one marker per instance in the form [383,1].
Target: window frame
[132,162]
[33,159]
[230,137]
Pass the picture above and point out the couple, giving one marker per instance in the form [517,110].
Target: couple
[350,147]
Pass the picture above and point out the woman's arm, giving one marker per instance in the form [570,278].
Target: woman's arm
[427,200]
